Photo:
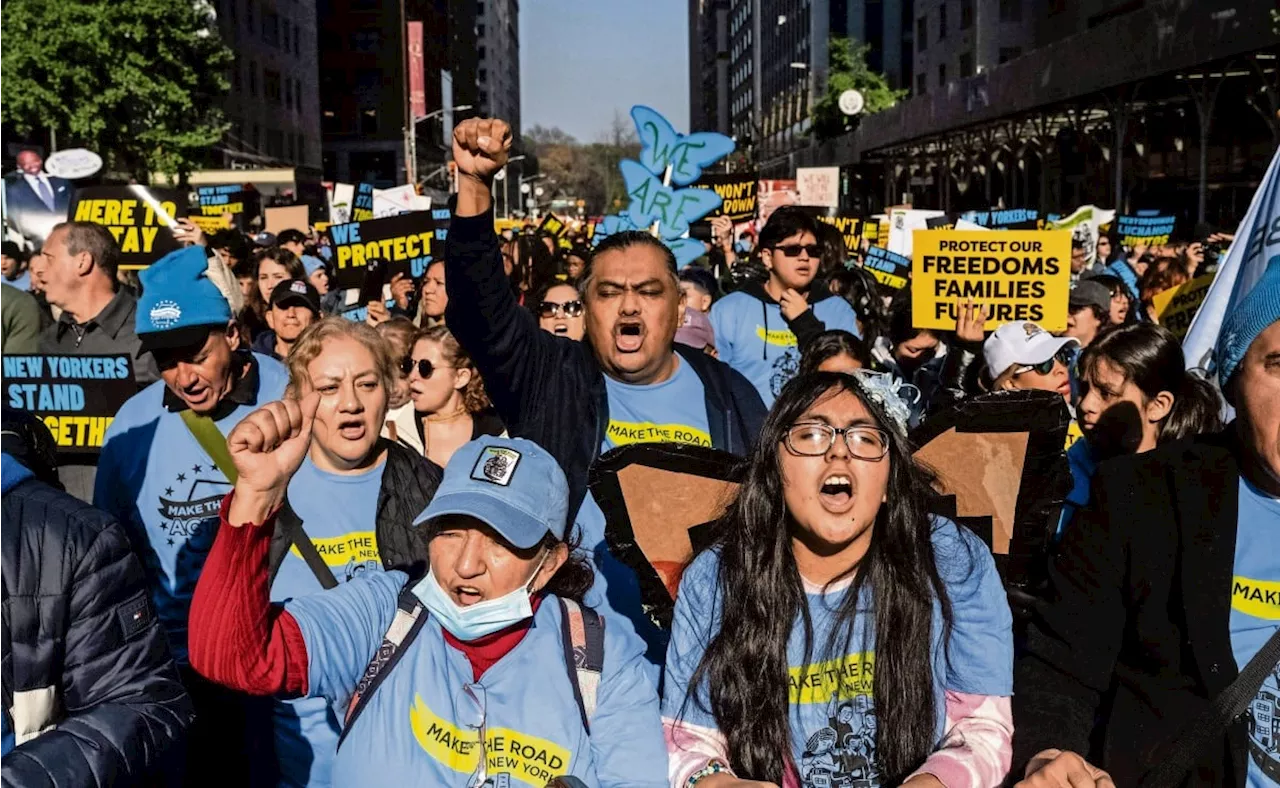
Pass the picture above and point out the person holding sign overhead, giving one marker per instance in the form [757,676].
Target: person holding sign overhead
[628,382]
[761,329]
[164,468]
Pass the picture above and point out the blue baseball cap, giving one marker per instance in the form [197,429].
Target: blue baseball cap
[1255,312]
[179,303]
[510,484]
[311,264]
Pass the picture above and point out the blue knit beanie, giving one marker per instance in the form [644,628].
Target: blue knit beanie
[1257,310]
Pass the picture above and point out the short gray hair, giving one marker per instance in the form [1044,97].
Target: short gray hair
[95,239]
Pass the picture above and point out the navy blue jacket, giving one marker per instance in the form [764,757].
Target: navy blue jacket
[551,389]
[83,650]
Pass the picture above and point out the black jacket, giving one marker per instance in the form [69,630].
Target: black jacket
[551,389]
[1135,630]
[408,483]
[83,650]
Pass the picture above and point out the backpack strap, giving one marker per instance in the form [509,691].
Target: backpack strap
[583,630]
[404,628]
[289,520]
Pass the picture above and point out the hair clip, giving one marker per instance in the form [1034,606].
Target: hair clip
[890,393]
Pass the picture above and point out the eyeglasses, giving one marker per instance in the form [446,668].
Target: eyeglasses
[552,309]
[424,366]
[1063,356]
[794,250]
[471,713]
[815,440]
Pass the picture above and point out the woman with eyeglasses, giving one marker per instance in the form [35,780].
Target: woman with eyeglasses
[348,509]
[836,633]
[448,396]
[558,307]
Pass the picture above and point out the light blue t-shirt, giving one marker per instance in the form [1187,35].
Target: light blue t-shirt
[22,282]
[673,411]
[832,705]
[338,512]
[161,485]
[1255,614]
[754,338]
[420,728]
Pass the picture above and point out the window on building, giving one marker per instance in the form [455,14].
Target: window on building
[922,84]
[275,143]
[284,37]
[248,14]
[1010,10]
[253,77]
[271,28]
[942,74]
[1009,53]
[297,94]
[288,93]
[966,64]
[480,31]
[301,147]
[288,146]
[966,14]
[1057,6]
[482,75]
[271,85]
[235,75]
[922,33]
[297,38]
[479,9]
[369,121]
[256,142]
[942,21]
[329,123]
[480,53]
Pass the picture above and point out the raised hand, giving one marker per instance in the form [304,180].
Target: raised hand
[481,147]
[267,448]
[971,321]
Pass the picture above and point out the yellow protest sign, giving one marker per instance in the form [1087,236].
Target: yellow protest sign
[1019,274]
[1176,307]
[211,224]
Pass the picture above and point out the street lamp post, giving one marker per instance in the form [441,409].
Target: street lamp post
[526,188]
[502,176]
[411,136]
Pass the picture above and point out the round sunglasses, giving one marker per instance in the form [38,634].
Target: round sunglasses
[567,309]
[424,366]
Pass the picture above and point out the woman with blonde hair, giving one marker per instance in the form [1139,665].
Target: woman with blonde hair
[348,509]
[448,395]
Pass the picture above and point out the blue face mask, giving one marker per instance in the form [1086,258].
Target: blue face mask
[483,618]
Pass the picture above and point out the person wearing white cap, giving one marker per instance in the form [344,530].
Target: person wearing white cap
[487,671]
[1022,355]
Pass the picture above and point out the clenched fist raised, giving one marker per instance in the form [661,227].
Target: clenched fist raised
[481,147]
[267,448]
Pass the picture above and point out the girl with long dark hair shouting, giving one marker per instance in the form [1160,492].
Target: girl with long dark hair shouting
[836,633]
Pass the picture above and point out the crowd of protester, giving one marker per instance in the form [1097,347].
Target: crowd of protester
[338,541]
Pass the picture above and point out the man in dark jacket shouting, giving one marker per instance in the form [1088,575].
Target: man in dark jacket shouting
[91,695]
[628,382]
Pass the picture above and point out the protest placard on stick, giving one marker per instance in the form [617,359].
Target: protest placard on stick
[1176,307]
[404,241]
[1020,274]
[140,218]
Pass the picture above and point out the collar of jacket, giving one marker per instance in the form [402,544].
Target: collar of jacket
[756,290]
[244,392]
[112,318]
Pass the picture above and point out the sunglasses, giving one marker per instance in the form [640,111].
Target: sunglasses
[552,309]
[794,250]
[1046,366]
[424,366]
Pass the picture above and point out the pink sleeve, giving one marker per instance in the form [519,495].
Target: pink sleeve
[978,746]
[690,748]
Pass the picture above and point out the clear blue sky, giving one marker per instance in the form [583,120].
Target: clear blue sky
[582,59]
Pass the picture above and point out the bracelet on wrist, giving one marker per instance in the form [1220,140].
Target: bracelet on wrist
[714,766]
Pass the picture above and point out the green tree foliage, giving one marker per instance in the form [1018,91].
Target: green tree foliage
[588,171]
[140,82]
[848,70]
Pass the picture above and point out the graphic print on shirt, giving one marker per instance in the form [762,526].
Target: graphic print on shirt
[509,754]
[785,366]
[840,754]
[1261,599]
[188,509]
[347,555]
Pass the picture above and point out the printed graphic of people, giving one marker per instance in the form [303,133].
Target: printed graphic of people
[785,367]
[842,754]
[1264,726]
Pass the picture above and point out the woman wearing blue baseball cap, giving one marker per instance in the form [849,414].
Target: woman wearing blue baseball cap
[488,668]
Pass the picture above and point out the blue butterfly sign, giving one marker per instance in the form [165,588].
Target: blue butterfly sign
[672,209]
[685,154]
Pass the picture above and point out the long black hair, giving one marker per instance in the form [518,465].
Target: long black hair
[1151,357]
[745,666]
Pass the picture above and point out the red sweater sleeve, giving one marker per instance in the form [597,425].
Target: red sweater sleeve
[235,636]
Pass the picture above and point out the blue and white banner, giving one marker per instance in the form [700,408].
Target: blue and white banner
[1257,241]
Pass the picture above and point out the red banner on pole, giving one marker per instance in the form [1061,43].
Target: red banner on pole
[417,73]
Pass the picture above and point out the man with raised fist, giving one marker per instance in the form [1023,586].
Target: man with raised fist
[627,382]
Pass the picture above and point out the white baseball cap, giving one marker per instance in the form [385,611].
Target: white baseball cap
[1021,342]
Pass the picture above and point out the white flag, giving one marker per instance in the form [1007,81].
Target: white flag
[1257,241]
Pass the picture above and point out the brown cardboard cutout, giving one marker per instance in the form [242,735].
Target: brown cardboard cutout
[983,471]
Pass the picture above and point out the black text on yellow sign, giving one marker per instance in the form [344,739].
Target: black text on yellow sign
[1017,274]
